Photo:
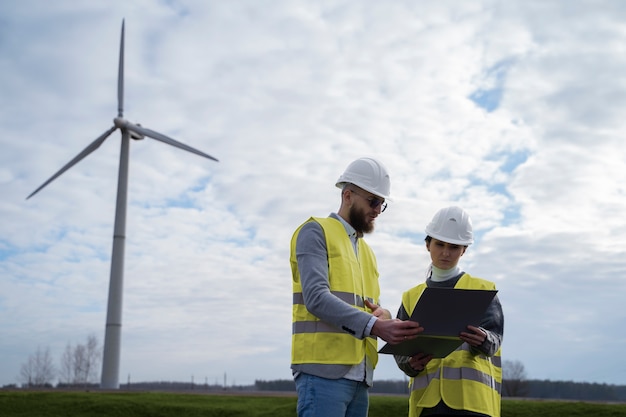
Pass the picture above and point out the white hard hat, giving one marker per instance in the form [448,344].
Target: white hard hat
[451,225]
[368,174]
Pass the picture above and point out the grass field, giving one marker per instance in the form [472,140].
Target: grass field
[156,404]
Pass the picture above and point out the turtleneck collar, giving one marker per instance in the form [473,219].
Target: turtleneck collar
[439,275]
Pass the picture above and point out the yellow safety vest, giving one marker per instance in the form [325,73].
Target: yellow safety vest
[464,381]
[351,279]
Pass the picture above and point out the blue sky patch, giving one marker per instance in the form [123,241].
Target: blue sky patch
[487,99]
[490,96]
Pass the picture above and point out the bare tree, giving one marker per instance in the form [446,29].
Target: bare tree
[514,381]
[66,370]
[39,370]
[93,355]
[79,364]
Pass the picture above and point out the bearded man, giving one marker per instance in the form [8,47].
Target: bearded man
[337,316]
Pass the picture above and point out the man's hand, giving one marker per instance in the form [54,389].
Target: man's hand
[378,311]
[395,331]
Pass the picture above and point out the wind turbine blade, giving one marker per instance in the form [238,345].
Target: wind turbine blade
[89,149]
[162,138]
[120,77]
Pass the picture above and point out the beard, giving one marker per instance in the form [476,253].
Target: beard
[358,220]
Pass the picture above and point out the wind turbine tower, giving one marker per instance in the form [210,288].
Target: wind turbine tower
[113,328]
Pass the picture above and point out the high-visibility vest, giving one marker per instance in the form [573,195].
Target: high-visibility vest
[351,279]
[464,381]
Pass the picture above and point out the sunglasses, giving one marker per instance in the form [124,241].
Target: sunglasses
[374,202]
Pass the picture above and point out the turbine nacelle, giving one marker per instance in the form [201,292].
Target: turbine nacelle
[133,129]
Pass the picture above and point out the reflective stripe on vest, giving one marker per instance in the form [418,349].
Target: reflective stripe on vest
[347,297]
[317,327]
[470,374]
[466,373]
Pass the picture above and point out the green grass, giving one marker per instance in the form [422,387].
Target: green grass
[156,404]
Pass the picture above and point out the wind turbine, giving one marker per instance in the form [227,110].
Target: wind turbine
[113,329]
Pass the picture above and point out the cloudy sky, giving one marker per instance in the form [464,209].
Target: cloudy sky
[511,109]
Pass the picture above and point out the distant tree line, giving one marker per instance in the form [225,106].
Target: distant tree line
[566,390]
[285,385]
[514,384]
[79,369]
[569,390]
[183,386]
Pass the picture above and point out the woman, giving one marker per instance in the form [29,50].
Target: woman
[467,382]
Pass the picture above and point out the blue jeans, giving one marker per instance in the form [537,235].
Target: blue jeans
[322,397]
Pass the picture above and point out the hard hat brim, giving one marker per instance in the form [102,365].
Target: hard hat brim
[341,184]
[451,241]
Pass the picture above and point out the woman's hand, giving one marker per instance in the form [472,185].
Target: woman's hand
[419,361]
[475,338]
